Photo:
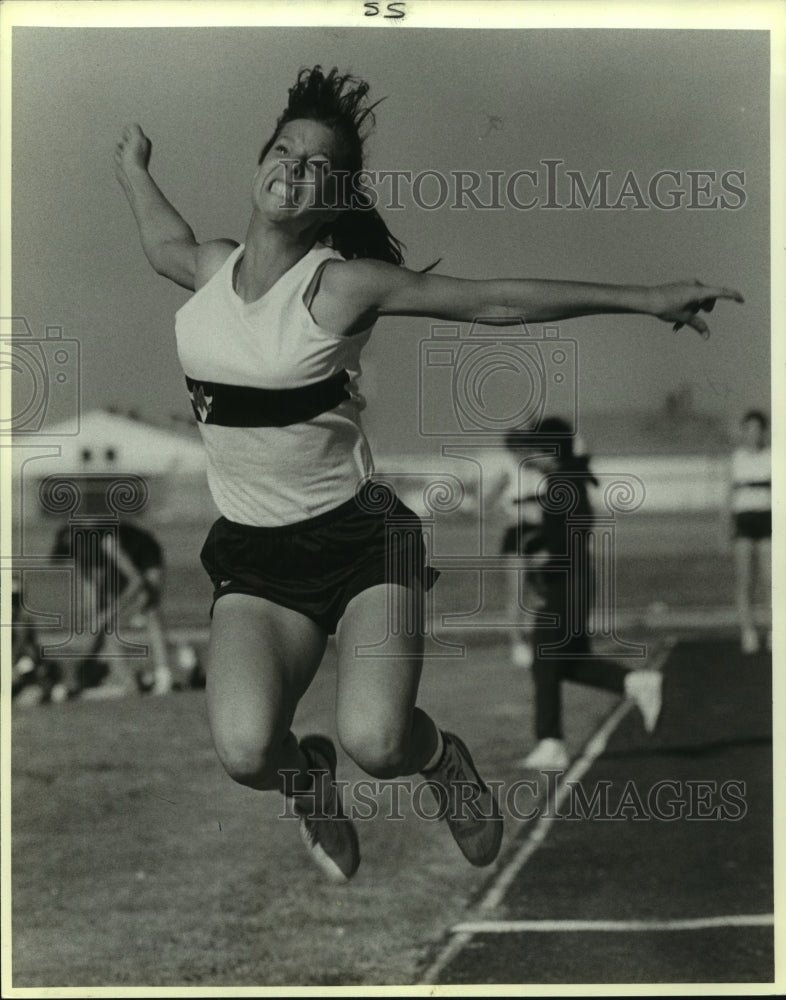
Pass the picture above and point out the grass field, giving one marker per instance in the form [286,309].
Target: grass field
[136,861]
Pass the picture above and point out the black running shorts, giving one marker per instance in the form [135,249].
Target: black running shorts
[754,524]
[317,566]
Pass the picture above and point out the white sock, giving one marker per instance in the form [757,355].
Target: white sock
[437,757]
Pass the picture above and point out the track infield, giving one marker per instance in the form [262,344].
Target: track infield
[653,861]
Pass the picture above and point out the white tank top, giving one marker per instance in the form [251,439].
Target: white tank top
[751,474]
[273,475]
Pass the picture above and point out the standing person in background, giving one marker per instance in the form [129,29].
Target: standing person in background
[566,597]
[751,508]
[514,494]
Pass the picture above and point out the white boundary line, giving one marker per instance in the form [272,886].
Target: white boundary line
[625,926]
[460,935]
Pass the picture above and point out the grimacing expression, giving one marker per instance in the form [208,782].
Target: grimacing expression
[295,178]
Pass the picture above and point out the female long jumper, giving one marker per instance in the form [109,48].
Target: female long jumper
[269,343]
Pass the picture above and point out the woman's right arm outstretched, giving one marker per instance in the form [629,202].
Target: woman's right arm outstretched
[167,239]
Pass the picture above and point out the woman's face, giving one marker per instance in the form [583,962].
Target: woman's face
[295,180]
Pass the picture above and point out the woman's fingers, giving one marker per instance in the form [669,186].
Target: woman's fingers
[131,133]
[721,292]
[705,302]
[687,300]
[692,318]
[712,292]
[132,128]
[698,324]
[133,147]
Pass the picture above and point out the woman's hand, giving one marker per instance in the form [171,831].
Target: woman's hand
[132,151]
[167,239]
[679,303]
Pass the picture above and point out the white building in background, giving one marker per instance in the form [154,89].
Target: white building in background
[108,446]
[109,442]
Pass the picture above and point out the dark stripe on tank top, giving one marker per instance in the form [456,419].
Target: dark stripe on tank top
[245,406]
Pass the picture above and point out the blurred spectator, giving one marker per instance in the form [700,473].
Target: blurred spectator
[33,678]
[562,576]
[513,491]
[135,563]
[751,511]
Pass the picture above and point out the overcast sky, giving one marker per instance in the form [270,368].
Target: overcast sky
[485,100]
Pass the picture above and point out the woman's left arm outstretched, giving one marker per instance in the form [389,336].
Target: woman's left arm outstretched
[368,289]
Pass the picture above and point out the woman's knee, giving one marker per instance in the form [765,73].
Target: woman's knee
[382,750]
[249,760]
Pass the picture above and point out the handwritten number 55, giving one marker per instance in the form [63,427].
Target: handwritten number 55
[393,11]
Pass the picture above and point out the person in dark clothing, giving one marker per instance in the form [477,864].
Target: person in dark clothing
[33,677]
[561,575]
[124,578]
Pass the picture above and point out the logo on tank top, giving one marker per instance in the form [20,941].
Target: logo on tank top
[202,404]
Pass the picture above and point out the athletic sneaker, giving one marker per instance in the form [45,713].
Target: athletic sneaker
[466,803]
[645,687]
[549,755]
[331,838]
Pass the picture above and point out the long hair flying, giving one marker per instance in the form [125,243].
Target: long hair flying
[340,103]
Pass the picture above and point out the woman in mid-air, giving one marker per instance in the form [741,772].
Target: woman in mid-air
[270,345]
